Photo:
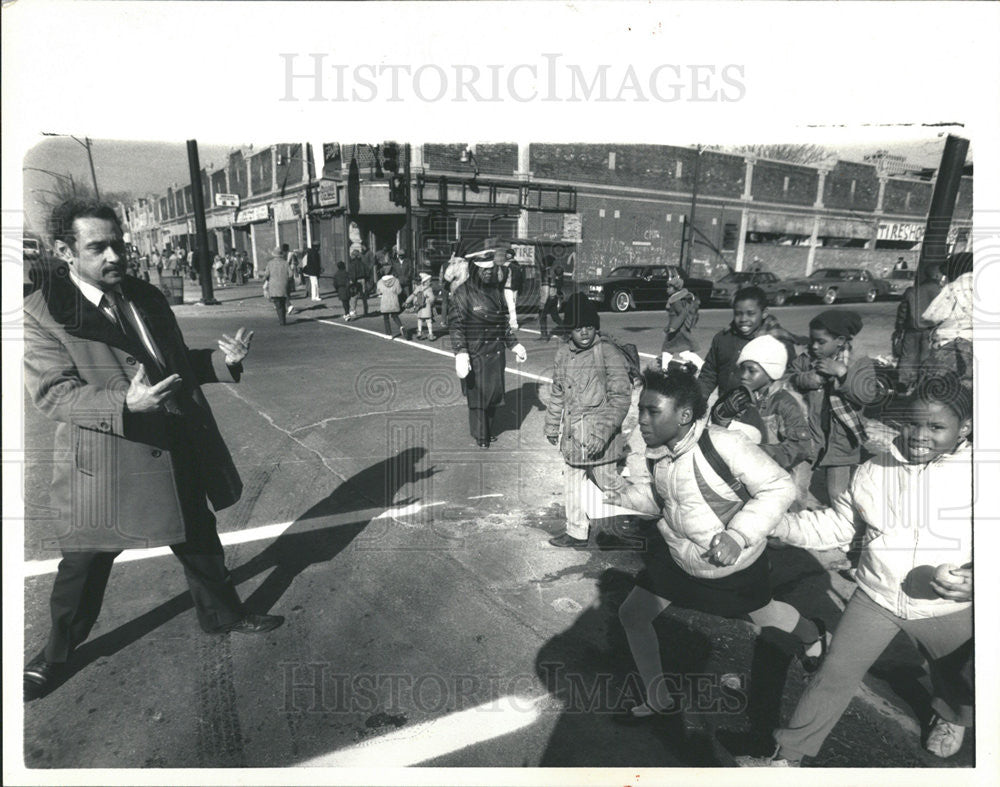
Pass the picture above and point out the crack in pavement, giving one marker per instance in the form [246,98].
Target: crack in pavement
[291,436]
[333,418]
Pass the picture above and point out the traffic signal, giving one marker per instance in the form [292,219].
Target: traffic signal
[398,190]
[390,157]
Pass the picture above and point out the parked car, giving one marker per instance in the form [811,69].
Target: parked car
[899,282]
[838,284]
[726,287]
[32,248]
[632,286]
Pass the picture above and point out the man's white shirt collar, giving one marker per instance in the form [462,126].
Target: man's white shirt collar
[91,292]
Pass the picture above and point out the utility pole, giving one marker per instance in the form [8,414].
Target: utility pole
[201,230]
[408,237]
[686,259]
[934,248]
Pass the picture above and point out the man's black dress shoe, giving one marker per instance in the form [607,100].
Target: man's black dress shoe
[40,676]
[251,624]
[566,540]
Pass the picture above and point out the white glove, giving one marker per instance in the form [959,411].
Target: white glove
[520,353]
[462,365]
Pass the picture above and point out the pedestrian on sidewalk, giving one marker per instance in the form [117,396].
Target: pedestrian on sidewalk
[550,295]
[590,396]
[342,283]
[312,269]
[421,300]
[512,284]
[219,267]
[479,327]
[388,291]
[144,460]
[358,274]
[276,284]
[718,497]
[294,272]
[914,576]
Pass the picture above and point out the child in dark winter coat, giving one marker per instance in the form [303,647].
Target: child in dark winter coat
[750,320]
[836,385]
[773,409]
[422,301]
[591,394]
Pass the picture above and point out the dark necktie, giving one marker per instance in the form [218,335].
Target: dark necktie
[129,324]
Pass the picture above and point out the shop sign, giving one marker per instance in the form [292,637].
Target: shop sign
[572,230]
[898,230]
[249,215]
[328,194]
[524,253]
[227,200]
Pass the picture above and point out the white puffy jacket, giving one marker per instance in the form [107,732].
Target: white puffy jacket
[687,522]
[918,516]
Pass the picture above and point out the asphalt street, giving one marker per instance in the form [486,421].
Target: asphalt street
[428,620]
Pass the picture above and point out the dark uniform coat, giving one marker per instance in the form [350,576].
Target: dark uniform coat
[479,324]
[114,472]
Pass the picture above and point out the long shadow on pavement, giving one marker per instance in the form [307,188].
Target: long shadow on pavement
[588,667]
[291,553]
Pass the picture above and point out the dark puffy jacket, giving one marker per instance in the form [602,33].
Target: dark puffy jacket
[591,394]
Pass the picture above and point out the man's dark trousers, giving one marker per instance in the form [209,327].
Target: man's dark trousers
[78,590]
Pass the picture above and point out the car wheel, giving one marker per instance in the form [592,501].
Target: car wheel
[830,296]
[621,301]
[871,295]
[780,298]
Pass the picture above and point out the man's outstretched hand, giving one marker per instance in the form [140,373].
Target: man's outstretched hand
[236,348]
[142,397]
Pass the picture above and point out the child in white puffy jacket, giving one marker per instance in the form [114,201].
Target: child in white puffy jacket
[714,535]
[915,573]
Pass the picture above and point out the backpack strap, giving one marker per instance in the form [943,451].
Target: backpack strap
[657,497]
[718,464]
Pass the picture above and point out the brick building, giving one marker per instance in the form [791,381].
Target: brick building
[599,205]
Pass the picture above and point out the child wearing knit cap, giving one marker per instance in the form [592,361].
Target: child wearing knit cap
[590,397]
[837,385]
[773,408]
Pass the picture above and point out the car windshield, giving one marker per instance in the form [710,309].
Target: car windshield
[827,273]
[736,278]
[902,275]
[620,273]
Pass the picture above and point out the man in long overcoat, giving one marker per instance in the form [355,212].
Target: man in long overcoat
[139,455]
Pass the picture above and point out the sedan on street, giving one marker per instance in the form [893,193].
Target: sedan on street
[726,287]
[631,286]
[837,284]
